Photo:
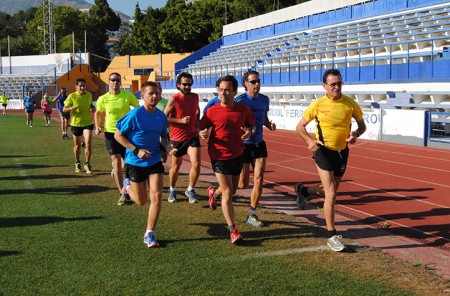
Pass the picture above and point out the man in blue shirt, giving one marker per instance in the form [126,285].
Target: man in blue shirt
[141,131]
[30,104]
[255,152]
[65,116]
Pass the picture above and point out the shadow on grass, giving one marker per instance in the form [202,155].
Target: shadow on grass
[38,177]
[30,166]
[43,220]
[9,253]
[71,191]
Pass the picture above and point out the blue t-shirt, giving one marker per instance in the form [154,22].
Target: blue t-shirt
[260,107]
[143,129]
[211,103]
[61,98]
[29,103]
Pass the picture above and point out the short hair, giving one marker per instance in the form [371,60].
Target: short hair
[147,84]
[229,78]
[115,73]
[246,74]
[334,72]
[79,80]
[186,75]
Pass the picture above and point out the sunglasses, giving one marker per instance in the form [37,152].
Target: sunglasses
[115,80]
[186,84]
[254,81]
[338,84]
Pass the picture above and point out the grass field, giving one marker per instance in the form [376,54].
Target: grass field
[62,233]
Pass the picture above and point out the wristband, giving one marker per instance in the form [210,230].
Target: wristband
[136,150]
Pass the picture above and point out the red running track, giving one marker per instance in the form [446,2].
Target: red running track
[403,189]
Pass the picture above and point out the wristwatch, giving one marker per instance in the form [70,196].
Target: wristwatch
[136,150]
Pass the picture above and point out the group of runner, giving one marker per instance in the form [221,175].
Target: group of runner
[139,138]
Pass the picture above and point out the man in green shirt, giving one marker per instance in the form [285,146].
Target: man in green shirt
[114,104]
[80,104]
[4,98]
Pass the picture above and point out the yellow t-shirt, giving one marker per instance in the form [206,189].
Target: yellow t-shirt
[4,99]
[81,116]
[115,107]
[333,120]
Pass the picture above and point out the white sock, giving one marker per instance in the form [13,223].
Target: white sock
[190,188]
[148,231]
[172,189]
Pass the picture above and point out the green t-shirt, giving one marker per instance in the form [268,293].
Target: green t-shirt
[81,116]
[4,99]
[162,104]
[115,107]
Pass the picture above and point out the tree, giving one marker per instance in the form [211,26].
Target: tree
[101,20]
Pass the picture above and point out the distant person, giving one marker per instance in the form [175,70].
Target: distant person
[114,104]
[162,102]
[142,131]
[30,104]
[4,99]
[231,123]
[80,104]
[46,109]
[182,111]
[255,153]
[65,116]
[333,115]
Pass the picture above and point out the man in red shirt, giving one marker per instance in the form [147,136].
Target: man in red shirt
[231,123]
[182,111]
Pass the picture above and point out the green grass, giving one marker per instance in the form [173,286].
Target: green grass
[62,233]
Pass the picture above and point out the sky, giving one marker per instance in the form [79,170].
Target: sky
[127,6]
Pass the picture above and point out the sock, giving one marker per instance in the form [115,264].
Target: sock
[304,191]
[172,189]
[148,231]
[190,188]
[252,212]
[231,228]
[77,161]
[216,196]
[331,233]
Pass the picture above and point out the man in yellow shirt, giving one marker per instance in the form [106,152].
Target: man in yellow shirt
[80,104]
[115,104]
[4,98]
[333,114]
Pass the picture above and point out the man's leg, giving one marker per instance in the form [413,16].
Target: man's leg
[155,192]
[226,186]
[77,147]
[258,181]
[87,134]
[174,170]
[117,163]
[194,157]
[244,178]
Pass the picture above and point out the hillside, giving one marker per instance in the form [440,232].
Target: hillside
[13,6]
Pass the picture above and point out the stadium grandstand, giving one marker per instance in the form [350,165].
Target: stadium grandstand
[394,57]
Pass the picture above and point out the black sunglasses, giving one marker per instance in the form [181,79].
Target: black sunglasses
[186,84]
[254,81]
[115,79]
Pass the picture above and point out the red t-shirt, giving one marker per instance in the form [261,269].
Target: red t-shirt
[184,106]
[225,137]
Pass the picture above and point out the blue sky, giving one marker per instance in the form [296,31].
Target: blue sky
[127,6]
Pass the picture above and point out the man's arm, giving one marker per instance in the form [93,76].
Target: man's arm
[169,107]
[313,144]
[269,124]
[97,117]
[358,132]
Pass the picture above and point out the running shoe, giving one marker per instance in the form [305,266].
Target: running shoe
[212,202]
[126,182]
[77,167]
[88,169]
[301,199]
[335,244]
[192,196]
[150,240]
[122,201]
[254,221]
[172,196]
[235,236]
